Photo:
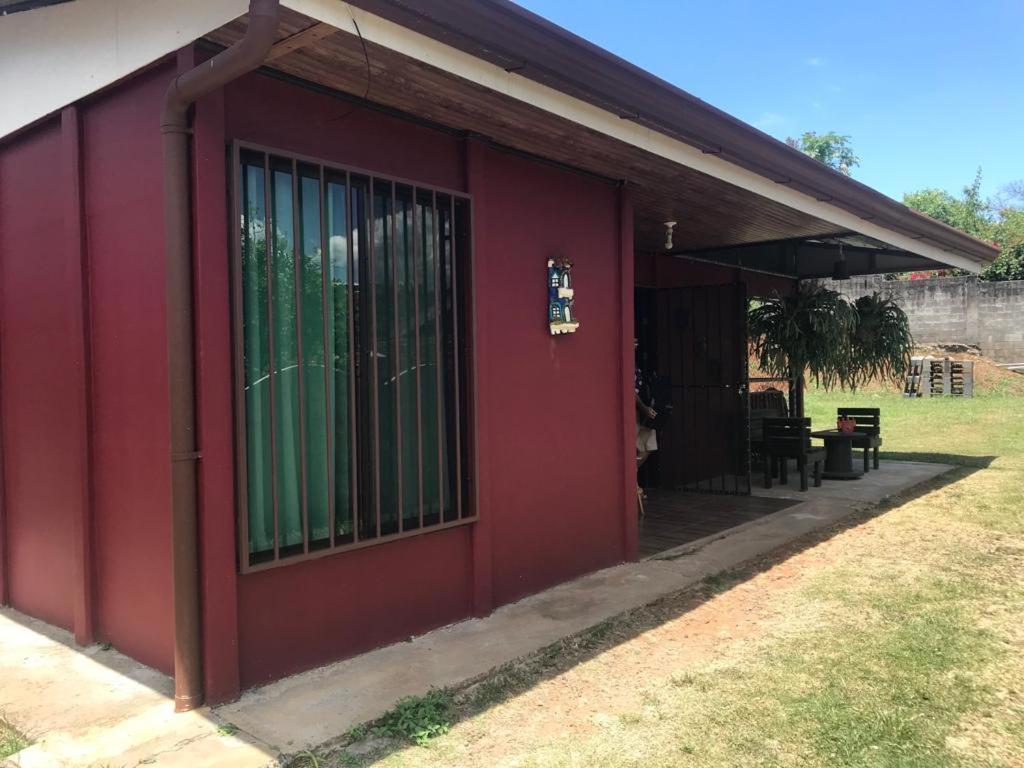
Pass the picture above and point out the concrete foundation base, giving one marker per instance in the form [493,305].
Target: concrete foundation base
[86,706]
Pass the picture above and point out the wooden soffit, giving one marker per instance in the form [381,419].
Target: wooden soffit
[709,212]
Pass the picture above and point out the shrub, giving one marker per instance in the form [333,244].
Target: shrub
[418,718]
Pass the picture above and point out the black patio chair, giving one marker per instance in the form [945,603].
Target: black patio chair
[769,404]
[790,438]
[869,421]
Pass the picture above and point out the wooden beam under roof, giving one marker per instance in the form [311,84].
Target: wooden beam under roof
[300,39]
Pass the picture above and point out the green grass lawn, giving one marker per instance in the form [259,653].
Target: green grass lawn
[987,425]
[895,640]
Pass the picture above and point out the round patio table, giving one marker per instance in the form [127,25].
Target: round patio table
[839,454]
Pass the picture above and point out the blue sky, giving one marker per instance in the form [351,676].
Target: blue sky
[928,91]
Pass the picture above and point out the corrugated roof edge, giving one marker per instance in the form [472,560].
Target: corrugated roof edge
[562,60]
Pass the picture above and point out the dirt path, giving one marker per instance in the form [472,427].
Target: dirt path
[722,675]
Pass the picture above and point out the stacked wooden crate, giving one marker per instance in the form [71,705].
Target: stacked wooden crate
[914,377]
[939,377]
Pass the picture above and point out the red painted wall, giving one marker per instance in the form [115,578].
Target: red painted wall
[551,489]
[550,464]
[551,513]
[306,122]
[297,616]
[131,481]
[123,515]
[41,471]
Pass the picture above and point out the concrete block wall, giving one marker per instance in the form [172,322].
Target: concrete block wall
[955,310]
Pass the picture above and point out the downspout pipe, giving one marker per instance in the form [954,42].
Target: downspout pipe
[242,57]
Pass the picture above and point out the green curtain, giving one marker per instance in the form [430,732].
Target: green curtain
[351,305]
[314,381]
[339,344]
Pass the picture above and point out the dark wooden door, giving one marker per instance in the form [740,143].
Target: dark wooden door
[702,349]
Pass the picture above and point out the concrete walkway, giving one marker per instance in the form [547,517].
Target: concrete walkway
[94,707]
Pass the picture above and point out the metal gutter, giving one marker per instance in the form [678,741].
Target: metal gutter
[506,35]
[242,57]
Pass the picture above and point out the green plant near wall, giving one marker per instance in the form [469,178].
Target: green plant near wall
[418,718]
[808,331]
[881,343]
[839,343]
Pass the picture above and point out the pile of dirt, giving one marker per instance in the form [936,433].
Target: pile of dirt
[989,377]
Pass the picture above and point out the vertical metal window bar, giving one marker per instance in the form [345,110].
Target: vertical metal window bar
[325,259]
[453,295]
[268,230]
[297,257]
[353,355]
[363,348]
[419,364]
[438,359]
[371,254]
[396,356]
[724,391]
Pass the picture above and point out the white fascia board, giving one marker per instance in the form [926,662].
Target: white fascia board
[52,56]
[429,51]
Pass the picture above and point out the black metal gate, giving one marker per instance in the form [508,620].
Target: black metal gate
[702,349]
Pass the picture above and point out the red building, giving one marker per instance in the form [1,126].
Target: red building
[369,430]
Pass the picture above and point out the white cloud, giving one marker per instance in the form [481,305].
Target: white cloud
[815,61]
[833,88]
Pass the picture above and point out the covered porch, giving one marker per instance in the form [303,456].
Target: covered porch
[679,522]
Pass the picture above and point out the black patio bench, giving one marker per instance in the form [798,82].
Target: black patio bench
[869,421]
[768,404]
[790,438]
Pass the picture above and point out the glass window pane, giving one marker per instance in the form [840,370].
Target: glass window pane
[314,383]
[426,272]
[362,312]
[286,362]
[341,367]
[256,359]
[408,377]
[446,416]
[354,387]
[386,357]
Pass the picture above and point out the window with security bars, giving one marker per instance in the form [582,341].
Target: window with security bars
[349,307]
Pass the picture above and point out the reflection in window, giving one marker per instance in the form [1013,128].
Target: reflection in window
[354,403]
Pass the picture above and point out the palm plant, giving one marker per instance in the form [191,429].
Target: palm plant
[881,343]
[808,331]
[839,343]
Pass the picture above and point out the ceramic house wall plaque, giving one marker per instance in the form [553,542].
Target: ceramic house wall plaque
[561,313]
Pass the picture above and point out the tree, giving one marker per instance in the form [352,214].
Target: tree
[833,149]
[968,213]
[999,220]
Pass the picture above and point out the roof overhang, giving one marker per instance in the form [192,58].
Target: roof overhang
[506,54]
[504,48]
[817,258]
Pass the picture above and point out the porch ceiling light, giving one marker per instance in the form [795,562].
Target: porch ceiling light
[669,231]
